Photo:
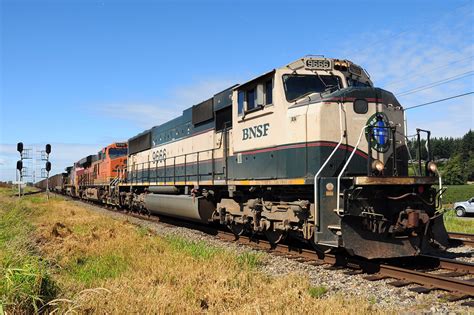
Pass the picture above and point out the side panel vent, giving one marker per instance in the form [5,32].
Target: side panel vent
[203,112]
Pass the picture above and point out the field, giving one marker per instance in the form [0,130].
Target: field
[59,256]
[457,193]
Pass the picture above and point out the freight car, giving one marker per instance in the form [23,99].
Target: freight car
[56,183]
[311,150]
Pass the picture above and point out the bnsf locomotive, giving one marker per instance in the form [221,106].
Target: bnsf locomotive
[311,150]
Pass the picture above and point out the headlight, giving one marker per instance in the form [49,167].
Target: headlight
[432,167]
[378,166]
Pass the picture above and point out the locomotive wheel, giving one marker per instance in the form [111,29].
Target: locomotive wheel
[274,237]
[237,229]
[319,250]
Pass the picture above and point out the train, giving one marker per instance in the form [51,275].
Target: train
[310,151]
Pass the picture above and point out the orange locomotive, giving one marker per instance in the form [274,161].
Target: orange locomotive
[102,172]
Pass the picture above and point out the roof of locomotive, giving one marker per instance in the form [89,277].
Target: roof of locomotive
[153,136]
[184,122]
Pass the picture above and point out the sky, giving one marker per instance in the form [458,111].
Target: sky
[83,74]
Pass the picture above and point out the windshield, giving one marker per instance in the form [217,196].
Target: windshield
[117,152]
[297,85]
[356,83]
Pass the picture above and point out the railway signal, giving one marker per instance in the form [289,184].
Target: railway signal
[48,168]
[19,166]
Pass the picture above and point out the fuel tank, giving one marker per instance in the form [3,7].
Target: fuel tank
[180,206]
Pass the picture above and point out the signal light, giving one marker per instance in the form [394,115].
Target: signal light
[432,167]
[378,166]
[48,148]
[48,166]
[19,147]
[19,165]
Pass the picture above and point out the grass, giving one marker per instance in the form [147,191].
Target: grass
[25,283]
[460,225]
[98,264]
[317,292]
[99,267]
[199,250]
[457,193]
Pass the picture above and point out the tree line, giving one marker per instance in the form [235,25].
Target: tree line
[454,156]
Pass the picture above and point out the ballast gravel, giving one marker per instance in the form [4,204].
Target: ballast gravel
[379,292]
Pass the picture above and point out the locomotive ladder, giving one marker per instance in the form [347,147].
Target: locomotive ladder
[338,209]
[316,184]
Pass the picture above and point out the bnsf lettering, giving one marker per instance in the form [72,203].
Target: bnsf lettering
[255,132]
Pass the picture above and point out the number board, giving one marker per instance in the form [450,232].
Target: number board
[317,64]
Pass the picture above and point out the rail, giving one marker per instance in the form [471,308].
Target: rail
[187,167]
[459,288]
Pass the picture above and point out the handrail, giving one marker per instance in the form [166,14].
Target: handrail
[316,209]
[139,172]
[345,166]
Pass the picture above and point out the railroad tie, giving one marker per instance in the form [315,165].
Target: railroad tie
[422,289]
[376,277]
[453,297]
[399,283]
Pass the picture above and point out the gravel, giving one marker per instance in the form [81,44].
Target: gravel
[336,281]
[462,253]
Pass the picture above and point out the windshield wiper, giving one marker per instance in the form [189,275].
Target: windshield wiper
[331,88]
[308,94]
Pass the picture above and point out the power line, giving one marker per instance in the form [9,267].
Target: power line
[437,101]
[409,29]
[436,83]
[416,73]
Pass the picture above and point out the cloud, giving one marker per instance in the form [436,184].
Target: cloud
[402,61]
[144,115]
[163,109]
[62,155]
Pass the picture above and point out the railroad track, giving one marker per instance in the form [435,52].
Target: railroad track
[427,273]
[466,239]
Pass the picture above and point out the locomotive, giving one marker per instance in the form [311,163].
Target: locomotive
[311,151]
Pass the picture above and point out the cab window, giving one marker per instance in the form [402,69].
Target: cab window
[269,92]
[240,101]
[250,99]
[356,83]
[255,97]
[117,152]
[297,85]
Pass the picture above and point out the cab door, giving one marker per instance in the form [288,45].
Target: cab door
[256,130]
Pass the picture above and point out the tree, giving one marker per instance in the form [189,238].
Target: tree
[454,173]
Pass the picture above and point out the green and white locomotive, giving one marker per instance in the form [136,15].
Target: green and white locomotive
[311,150]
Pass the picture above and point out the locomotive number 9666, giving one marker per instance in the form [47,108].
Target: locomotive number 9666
[159,155]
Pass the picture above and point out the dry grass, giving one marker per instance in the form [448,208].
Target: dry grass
[103,265]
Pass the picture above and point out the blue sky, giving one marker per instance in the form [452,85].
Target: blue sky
[82,74]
